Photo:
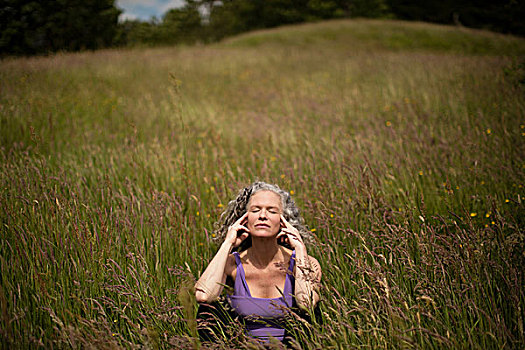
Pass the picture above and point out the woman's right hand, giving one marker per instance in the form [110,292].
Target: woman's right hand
[233,237]
[210,284]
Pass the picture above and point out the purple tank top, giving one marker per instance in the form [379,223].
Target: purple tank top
[261,315]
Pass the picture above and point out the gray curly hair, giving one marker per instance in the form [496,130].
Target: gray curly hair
[237,208]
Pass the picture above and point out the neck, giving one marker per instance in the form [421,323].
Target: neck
[263,251]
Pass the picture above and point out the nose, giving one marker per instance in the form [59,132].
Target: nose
[262,215]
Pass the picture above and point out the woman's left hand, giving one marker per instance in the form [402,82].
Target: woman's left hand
[290,234]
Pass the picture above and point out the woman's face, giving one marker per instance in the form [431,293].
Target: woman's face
[264,214]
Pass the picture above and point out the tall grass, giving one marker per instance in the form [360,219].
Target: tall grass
[402,143]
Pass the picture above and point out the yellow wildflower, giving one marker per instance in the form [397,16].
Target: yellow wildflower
[313,230]
[388,123]
[488,131]
[473,214]
[421,173]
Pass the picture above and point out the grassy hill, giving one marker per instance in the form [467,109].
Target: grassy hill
[403,144]
[363,34]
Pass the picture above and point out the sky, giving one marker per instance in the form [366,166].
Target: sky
[145,9]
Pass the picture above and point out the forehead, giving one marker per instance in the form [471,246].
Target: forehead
[265,198]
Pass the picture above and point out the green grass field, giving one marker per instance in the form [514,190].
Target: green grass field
[403,144]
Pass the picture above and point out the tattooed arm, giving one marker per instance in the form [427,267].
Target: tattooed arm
[307,279]
[307,268]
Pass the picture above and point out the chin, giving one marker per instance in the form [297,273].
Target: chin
[263,233]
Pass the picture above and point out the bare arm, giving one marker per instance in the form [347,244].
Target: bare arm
[210,284]
[307,279]
[307,268]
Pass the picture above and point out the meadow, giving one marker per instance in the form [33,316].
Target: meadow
[402,143]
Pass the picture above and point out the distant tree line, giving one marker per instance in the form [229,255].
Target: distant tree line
[505,16]
[32,27]
[211,20]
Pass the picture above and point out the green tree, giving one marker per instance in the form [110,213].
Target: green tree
[230,17]
[31,27]
[499,15]
[136,33]
[182,25]
[368,8]
[326,9]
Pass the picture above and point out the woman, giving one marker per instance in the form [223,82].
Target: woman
[273,271]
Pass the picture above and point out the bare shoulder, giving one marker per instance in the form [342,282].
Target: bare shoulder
[231,267]
[242,254]
[287,253]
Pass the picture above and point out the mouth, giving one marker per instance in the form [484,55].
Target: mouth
[262,226]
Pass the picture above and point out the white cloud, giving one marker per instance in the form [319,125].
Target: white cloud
[127,16]
[145,9]
[131,3]
[168,5]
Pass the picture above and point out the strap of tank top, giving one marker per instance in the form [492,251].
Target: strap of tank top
[241,275]
[237,258]
[292,262]
[289,282]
